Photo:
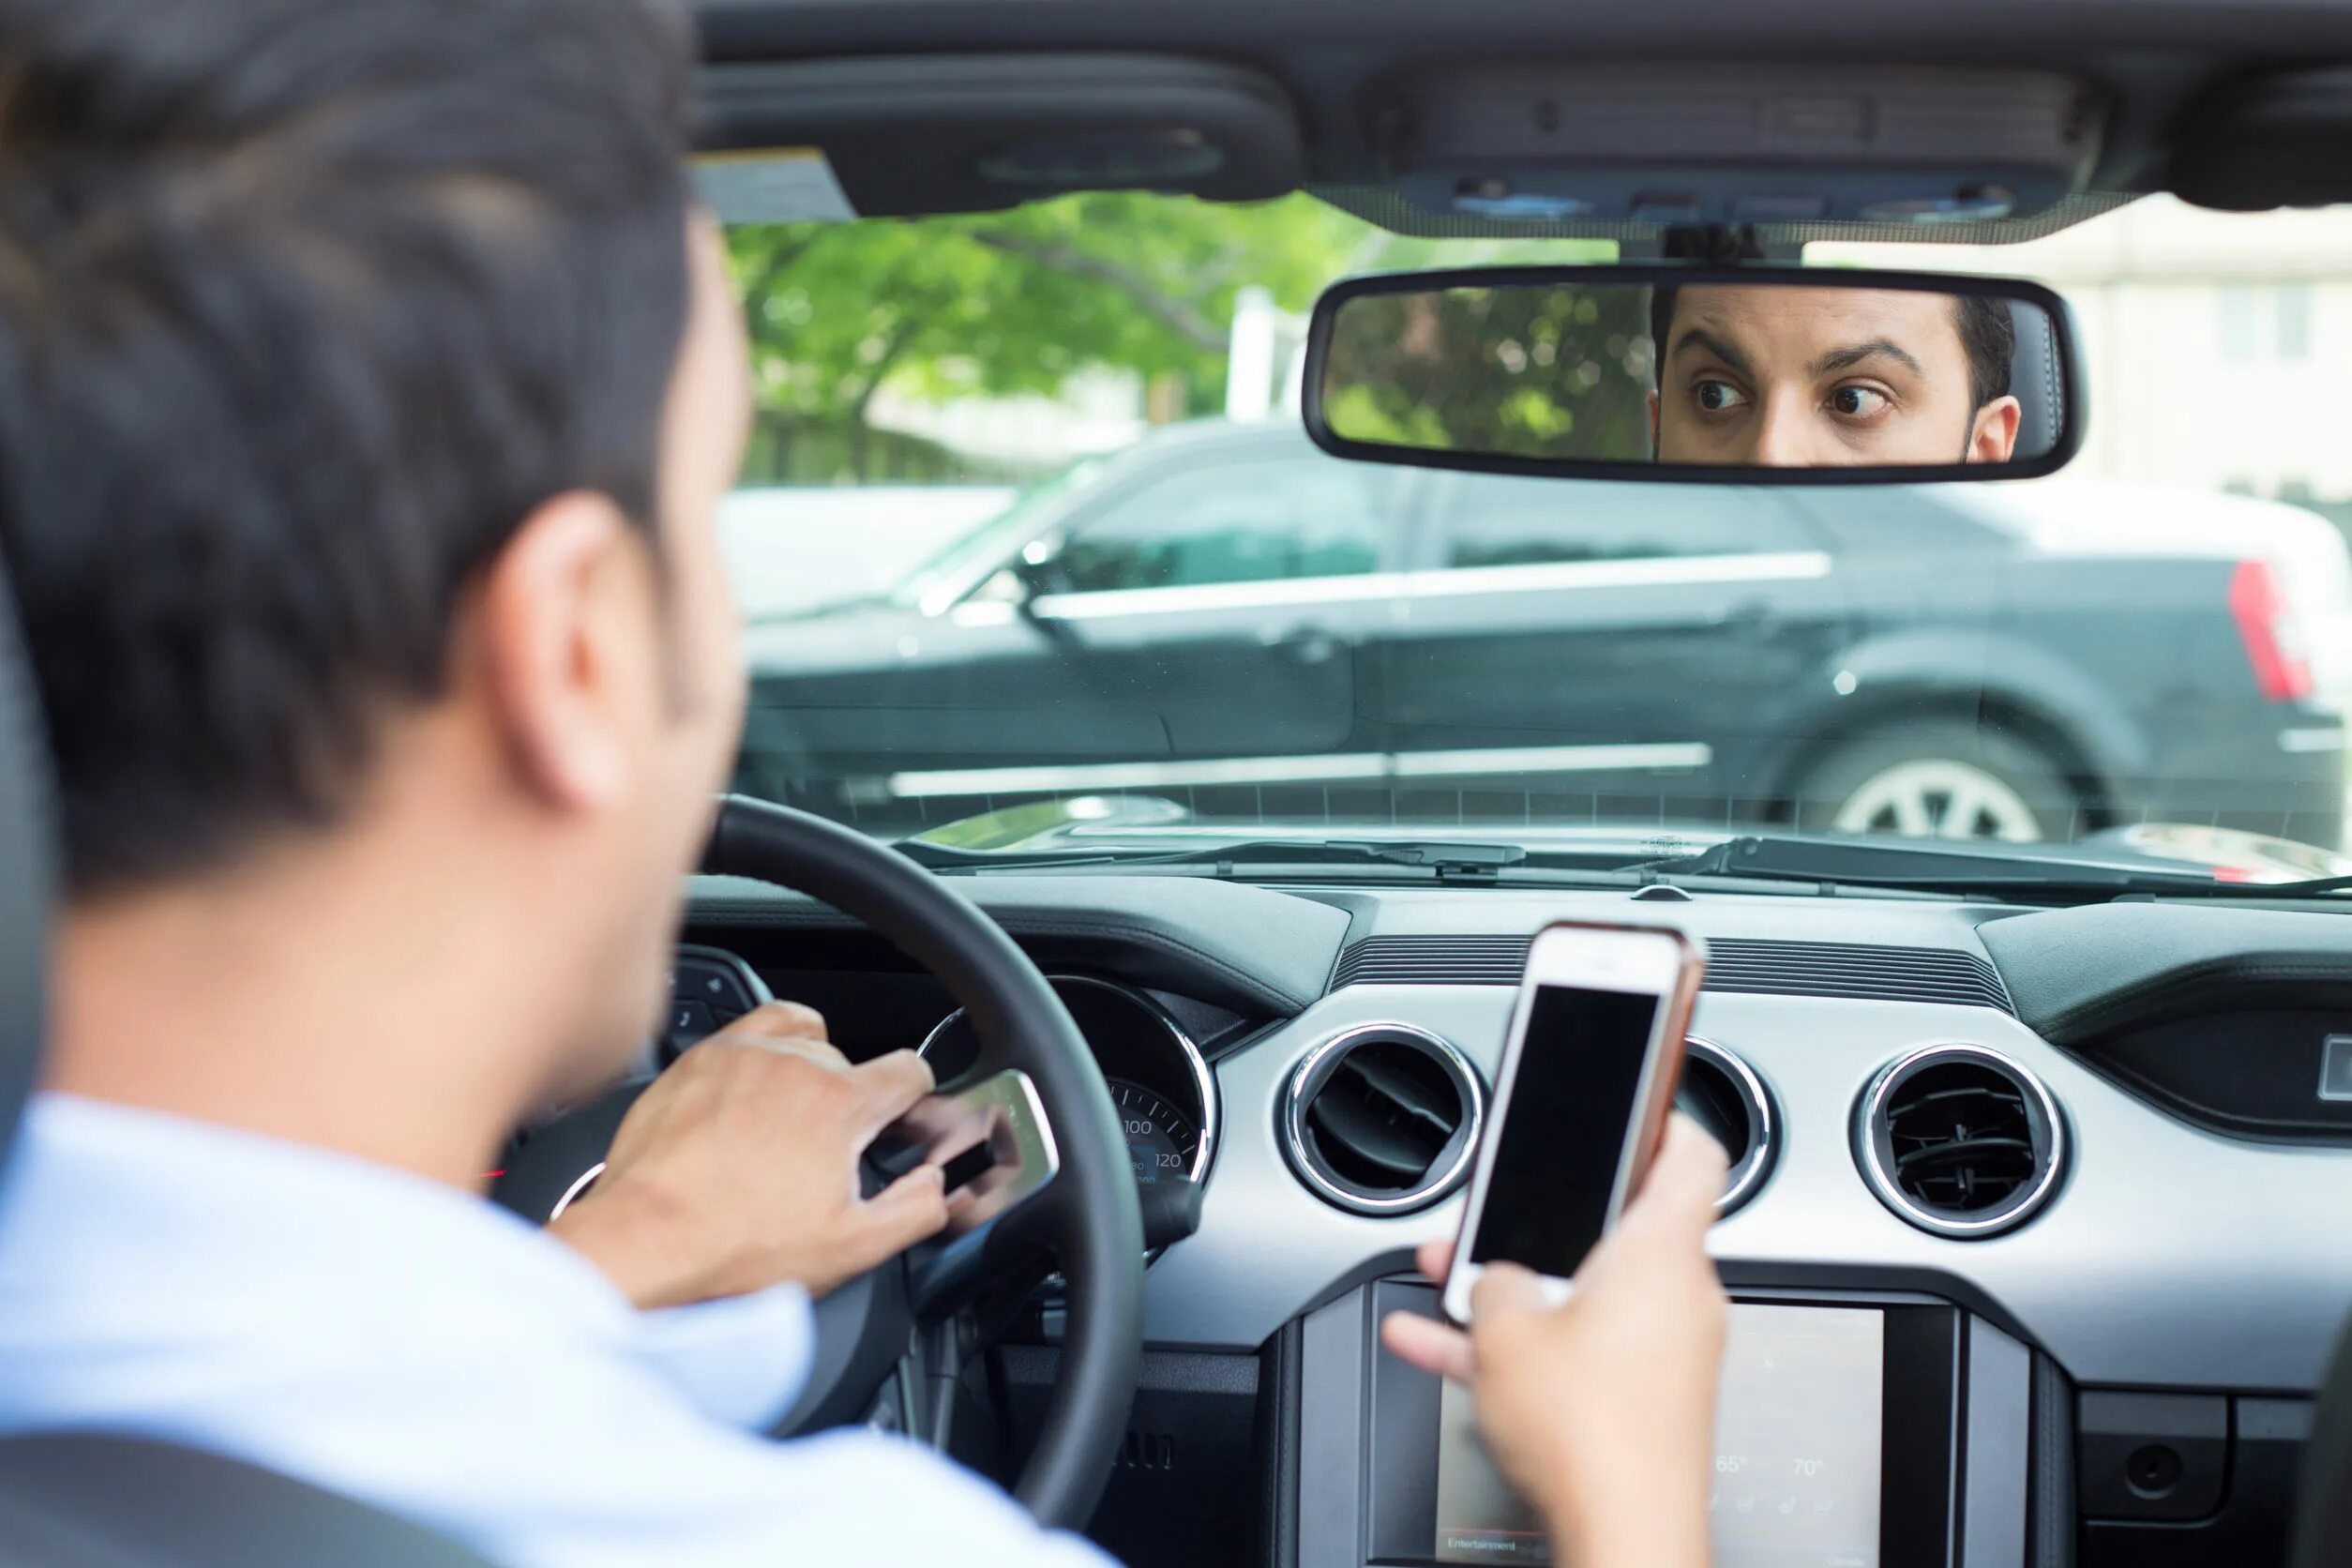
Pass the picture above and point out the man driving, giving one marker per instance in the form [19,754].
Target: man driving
[1780,377]
[369,384]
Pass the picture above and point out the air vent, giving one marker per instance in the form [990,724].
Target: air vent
[1960,1140]
[1382,1119]
[1770,968]
[1722,1094]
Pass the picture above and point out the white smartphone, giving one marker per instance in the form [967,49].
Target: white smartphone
[1581,1099]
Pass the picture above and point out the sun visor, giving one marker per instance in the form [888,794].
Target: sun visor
[2278,142]
[917,134]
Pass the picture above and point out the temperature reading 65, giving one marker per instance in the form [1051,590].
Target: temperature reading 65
[1730,1464]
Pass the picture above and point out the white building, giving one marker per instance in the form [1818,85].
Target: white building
[2219,344]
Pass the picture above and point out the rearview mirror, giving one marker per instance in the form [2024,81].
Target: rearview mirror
[1746,375]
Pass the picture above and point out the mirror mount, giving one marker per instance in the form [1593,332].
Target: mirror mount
[1714,245]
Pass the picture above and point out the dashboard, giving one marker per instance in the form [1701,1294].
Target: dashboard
[2094,1340]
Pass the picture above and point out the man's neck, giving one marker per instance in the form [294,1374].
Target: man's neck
[366,994]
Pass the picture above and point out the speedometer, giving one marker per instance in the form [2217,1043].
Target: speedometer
[1161,1140]
[1158,1080]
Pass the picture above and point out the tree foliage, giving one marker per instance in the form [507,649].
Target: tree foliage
[1002,303]
[1541,373]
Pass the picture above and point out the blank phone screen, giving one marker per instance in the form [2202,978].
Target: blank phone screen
[1570,1111]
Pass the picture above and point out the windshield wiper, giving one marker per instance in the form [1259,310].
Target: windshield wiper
[1940,866]
[1448,860]
[1824,863]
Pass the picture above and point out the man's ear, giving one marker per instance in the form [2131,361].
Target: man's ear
[1994,439]
[564,636]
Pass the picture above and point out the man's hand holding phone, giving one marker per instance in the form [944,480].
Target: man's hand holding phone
[1581,1097]
[1601,1410]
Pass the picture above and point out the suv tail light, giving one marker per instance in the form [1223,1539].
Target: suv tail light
[2266,627]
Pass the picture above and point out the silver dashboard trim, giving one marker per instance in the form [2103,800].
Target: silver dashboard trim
[1868,1109]
[2178,1257]
[1334,1348]
[1764,1133]
[1309,1075]
[1996,1444]
[1204,1081]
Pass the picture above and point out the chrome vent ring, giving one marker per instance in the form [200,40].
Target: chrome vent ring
[1736,1109]
[1960,1140]
[1382,1119]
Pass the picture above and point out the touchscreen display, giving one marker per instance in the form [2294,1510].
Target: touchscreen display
[1564,1126]
[1798,1450]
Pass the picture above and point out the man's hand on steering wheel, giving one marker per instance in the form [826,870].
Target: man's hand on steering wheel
[738,1169]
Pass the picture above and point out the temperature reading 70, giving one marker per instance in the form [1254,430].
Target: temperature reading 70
[1806,1467]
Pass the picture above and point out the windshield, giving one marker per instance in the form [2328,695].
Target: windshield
[1030,521]
[967,560]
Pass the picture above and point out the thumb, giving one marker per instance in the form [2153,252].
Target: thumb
[1679,1192]
[1505,1290]
[912,1209]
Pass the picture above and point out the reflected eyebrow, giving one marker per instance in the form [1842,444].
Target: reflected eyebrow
[1845,359]
[1699,337]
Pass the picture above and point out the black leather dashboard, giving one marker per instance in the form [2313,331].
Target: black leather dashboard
[1243,948]
[2077,975]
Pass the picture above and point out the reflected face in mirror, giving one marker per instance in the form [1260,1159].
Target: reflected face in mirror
[1827,377]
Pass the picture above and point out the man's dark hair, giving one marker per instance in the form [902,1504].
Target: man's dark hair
[1988,336]
[305,306]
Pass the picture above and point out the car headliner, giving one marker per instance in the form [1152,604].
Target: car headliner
[2153,59]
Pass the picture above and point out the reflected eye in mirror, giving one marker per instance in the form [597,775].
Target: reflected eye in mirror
[1860,403]
[1681,373]
[1717,397]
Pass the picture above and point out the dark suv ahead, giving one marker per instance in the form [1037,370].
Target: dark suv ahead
[1223,615]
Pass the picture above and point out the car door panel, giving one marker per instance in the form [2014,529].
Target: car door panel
[1200,615]
[1241,675]
[1608,629]
[1233,602]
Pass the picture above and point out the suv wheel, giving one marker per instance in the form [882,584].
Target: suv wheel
[1939,779]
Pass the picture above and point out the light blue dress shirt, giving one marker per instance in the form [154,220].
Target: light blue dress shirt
[423,1350]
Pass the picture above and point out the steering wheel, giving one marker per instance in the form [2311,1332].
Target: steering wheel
[908,1320]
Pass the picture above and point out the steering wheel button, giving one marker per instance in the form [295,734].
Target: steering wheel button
[690,1020]
[718,980]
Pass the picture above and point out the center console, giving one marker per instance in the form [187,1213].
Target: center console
[1854,1430]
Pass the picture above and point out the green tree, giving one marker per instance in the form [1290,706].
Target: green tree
[1009,302]
[1541,373]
